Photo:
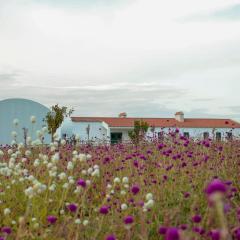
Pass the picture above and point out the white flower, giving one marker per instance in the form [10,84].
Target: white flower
[82,157]
[28,153]
[33,119]
[52,187]
[149,204]
[124,206]
[62,211]
[70,166]
[109,186]
[6,211]
[125,180]
[123,192]
[55,158]
[77,221]
[29,192]
[84,172]
[149,196]
[10,151]
[95,167]
[85,222]
[14,222]
[65,185]
[88,182]
[88,156]
[36,163]
[15,122]
[117,180]
[96,173]
[90,170]
[62,175]
[63,142]
[14,134]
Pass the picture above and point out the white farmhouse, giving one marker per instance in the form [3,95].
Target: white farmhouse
[115,129]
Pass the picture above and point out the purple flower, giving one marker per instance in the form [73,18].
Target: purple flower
[6,230]
[162,230]
[51,219]
[135,189]
[82,183]
[111,237]
[197,218]
[216,186]
[103,210]
[172,234]
[215,235]
[128,219]
[72,207]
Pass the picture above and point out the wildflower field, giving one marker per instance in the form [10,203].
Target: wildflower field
[176,189]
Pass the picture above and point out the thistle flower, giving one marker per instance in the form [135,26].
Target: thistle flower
[51,219]
[135,189]
[103,210]
[196,219]
[110,237]
[72,207]
[172,234]
[128,220]
[6,230]
[216,186]
[82,183]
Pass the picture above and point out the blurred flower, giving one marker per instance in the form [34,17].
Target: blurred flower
[51,219]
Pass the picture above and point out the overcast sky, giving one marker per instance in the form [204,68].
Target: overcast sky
[144,57]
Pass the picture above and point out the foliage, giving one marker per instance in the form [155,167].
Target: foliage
[139,131]
[55,117]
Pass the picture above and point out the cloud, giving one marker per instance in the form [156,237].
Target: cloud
[101,57]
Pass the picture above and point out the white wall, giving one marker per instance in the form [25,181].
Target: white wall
[98,130]
[198,132]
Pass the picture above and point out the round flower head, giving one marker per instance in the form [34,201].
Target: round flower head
[103,210]
[197,218]
[111,237]
[215,235]
[6,230]
[72,207]
[128,219]
[82,183]
[172,234]
[135,189]
[51,219]
[216,186]
[162,230]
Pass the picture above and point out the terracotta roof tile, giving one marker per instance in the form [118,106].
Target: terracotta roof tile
[163,122]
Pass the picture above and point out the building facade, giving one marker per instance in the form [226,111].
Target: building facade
[115,129]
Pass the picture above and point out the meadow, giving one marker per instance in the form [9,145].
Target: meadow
[179,189]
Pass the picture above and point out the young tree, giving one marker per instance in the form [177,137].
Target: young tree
[139,131]
[55,117]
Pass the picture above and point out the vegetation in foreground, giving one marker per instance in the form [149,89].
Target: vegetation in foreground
[176,189]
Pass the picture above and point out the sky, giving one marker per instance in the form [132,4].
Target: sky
[148,58]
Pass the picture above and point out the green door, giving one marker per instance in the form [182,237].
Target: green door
[116,137]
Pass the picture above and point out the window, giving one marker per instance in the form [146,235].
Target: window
[186,134]
[229,136]
[218,136]
[206,135]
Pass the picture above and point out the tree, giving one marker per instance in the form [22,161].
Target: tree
[139,131]
[55,117]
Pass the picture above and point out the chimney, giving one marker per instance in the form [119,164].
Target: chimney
[179,116]
[122,115]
